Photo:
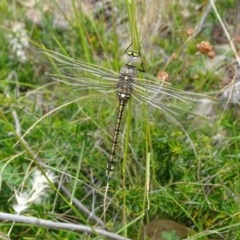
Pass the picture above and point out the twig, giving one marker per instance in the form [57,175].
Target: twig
[59,225]
[81,207]
[230,41]
[200,25]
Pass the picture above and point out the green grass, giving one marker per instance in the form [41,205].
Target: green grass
[158,175]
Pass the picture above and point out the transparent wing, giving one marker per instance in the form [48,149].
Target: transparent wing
[172,102]
[81,74]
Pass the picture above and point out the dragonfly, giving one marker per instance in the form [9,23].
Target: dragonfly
[148,89]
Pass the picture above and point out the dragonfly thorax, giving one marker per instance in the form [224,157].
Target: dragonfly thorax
[128,71]
[127,74]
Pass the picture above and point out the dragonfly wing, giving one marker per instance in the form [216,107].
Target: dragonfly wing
[172,102]
[81,74]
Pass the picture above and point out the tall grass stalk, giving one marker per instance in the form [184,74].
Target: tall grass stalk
[132,21]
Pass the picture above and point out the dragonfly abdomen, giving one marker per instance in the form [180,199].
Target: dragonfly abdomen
[112,159]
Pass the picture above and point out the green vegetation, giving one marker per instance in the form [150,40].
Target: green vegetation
[61,134]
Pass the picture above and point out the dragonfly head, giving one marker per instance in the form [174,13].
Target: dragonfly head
[132,58]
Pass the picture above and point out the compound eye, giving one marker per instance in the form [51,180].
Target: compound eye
[135,54]
[132,54]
